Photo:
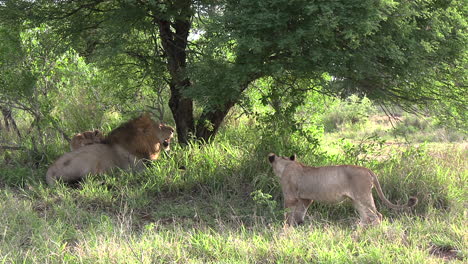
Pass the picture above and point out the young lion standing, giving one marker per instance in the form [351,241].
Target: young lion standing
[303,184]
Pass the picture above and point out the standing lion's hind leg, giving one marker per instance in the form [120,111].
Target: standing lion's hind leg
[367,214]
[375,216]
[364,219]
[367,211]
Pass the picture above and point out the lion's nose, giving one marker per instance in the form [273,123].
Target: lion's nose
[165,144]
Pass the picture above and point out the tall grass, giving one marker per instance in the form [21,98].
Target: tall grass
[226,207]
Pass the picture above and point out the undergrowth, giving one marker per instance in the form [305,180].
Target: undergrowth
[221,203]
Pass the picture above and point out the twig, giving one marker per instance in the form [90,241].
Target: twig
[12,147]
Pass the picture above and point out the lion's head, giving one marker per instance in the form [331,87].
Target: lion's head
[86,138]
[279,163]
[142,137]
[165,135]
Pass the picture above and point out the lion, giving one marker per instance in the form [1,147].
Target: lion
[125,147]
[303,184]
[86,138]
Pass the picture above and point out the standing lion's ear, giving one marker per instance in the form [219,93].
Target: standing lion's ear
[271,157]
[293,157]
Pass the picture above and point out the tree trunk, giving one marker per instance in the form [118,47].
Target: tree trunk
[174,34]
[209,122]
[174,44]
[182,111]
[8,118]
[5,119]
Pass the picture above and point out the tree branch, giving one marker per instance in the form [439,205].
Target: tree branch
[12,147]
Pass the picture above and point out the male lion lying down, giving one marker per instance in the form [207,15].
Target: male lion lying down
[125,147]
[303,184]
[86,138]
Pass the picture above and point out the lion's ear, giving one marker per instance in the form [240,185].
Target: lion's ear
[293,157]
[145,116]
[271,157]
[143,122]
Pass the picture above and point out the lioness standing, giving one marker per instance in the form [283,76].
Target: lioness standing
[303,184]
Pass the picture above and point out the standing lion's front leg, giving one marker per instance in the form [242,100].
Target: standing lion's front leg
[301,209]
[295,210]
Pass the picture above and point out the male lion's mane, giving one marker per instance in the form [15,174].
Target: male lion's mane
[138,136]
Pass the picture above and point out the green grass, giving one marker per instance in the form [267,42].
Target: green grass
[78,234]
[226,208]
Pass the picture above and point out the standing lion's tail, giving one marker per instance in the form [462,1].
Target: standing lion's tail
[412,201]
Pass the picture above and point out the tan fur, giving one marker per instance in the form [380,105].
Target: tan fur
[125,147]
[303,184]
[86,138]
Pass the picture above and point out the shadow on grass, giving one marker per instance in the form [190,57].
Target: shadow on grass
[216,186]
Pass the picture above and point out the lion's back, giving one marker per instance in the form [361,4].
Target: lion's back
[331,183]
[71,166]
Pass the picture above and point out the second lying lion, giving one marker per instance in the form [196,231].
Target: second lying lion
[125,147]
[86,138]
[303,184]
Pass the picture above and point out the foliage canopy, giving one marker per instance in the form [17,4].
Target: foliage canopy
[409,53]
